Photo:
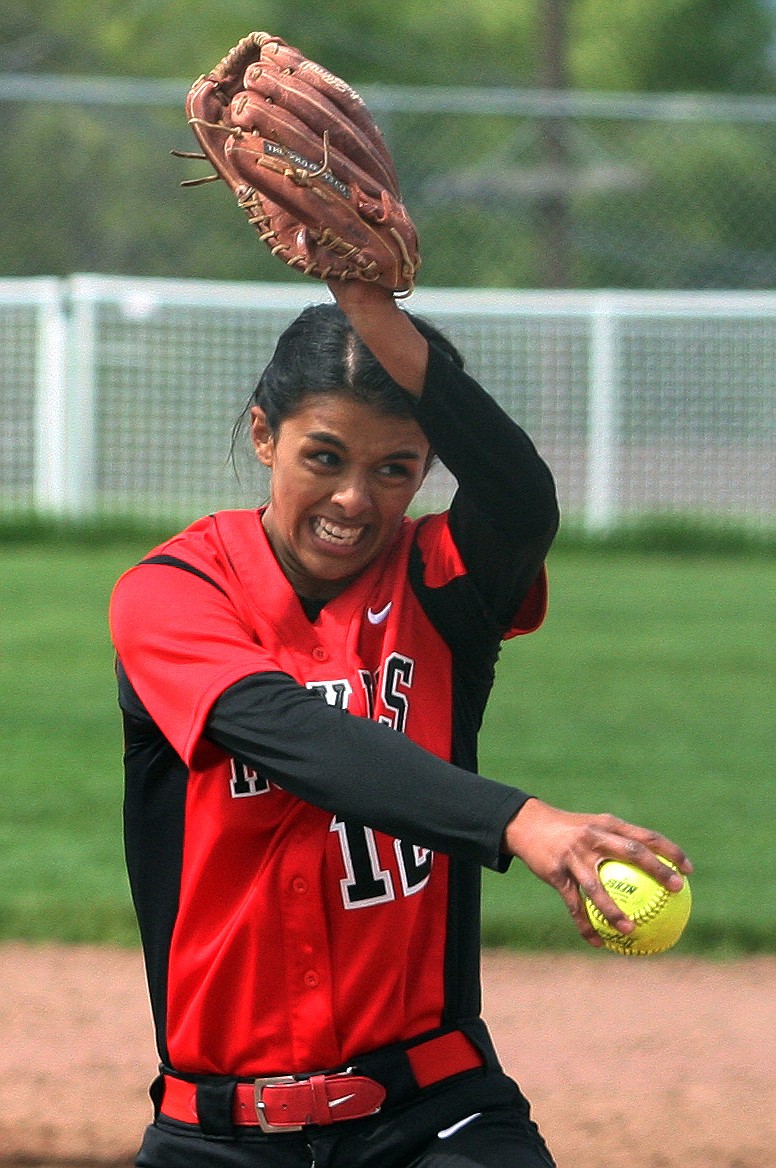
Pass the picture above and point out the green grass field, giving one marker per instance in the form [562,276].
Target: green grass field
[649,692]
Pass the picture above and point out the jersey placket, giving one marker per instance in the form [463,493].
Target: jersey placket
[306,949]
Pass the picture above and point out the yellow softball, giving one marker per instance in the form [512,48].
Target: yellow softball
[659,915]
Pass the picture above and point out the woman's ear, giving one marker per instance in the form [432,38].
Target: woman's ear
[261,436]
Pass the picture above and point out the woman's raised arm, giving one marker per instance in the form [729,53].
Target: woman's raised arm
[385,330]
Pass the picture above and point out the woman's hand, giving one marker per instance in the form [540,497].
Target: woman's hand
[565,848]
[385,330]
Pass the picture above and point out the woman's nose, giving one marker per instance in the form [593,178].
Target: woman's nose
[352,495]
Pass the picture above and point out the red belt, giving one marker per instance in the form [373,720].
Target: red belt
[286,1103]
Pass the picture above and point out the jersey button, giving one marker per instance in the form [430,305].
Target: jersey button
[320,654]
[311,979]
[299,884]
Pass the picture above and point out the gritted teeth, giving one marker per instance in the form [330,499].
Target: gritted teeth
[335,532]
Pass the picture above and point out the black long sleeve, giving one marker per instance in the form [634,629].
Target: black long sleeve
[360,769]
[505,512]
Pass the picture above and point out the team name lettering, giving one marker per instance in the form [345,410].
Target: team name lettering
[393,683]
[368,684]
[245,781]
[398,673]
[334,693]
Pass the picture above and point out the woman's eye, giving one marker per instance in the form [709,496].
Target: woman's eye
[325,458]
[394,470]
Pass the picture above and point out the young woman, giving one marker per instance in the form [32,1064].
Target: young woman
[302,686]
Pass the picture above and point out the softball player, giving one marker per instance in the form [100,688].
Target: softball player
[301,687]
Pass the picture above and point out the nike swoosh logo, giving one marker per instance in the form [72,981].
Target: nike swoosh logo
[342,1099]
[377,618]
[450,1131]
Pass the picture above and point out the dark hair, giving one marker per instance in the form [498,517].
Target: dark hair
[320,352]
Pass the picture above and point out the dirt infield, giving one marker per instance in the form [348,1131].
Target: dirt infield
[655,1063]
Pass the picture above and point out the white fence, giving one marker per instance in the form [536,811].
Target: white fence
[119,394]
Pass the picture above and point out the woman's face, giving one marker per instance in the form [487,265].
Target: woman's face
[343,475]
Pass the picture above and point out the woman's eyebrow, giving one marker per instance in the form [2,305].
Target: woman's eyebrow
[404,455]
[324,436]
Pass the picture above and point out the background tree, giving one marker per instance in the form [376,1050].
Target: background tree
[585,202]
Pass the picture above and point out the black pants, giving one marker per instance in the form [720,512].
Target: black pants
[476,1121]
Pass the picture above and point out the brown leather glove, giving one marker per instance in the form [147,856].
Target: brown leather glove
[307,163]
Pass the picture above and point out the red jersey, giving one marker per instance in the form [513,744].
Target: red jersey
[324,903]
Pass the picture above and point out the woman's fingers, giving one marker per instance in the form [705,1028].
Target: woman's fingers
[566,850]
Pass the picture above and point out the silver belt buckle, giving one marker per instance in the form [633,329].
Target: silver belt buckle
[258,1092]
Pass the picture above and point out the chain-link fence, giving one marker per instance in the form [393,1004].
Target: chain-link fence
[509,188]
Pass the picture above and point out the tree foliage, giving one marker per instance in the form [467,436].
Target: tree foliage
[672,45]
[93,188]
[708,45]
